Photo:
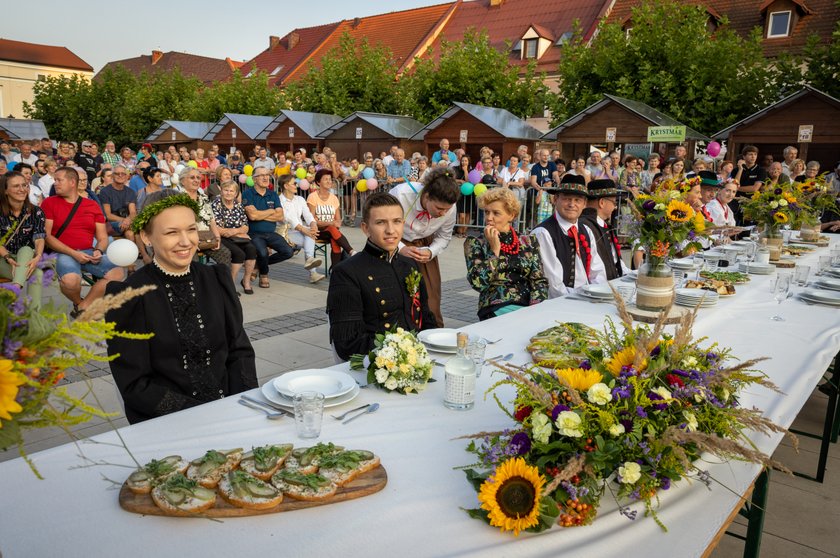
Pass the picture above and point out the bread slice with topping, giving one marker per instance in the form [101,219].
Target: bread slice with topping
[343,467]
[208,469]
[308,487]
[155,472]
[179,495]
[263,461]
[245,491]
[306,460]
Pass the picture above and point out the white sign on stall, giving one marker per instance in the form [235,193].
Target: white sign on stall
[611,132]
[463,136]
[233,133]
[806,133]
[358,133]
[291,131]
[174,135]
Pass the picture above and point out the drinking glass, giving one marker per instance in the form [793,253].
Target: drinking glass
[626,292]
[835,255]
[781,289]
[800,276]
[786,235]
[309,411]
[825,262]
[476,349]
[712,263]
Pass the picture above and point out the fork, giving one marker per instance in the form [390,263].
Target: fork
[268,414]
[342,415]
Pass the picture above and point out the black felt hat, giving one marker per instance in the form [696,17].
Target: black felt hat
[603,188]
[570,184]
[709,178]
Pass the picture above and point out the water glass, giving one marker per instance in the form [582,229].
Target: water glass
[476,349]
[781,290]
[712,263]
[800,276]
[825,263]
[786,235]
[835,255]
[309,412]
[626,292]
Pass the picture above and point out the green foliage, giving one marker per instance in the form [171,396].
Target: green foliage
[823,60]
[472,71]
[354,76]
[253,95]
[154,98]
[672,61]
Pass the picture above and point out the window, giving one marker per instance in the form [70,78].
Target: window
[277,70]
[531,48]
[41,77]
[779,25]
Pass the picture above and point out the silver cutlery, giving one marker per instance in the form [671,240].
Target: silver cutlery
[268,414]
[501,357]
[271,406]
[361,385]
[495,341]
[372,409]
[342,415]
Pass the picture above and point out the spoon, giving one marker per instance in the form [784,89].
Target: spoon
[268,414]
[342,415]
[371,409]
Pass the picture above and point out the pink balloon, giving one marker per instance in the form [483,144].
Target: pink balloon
[713,149]
[372,184]
[242,178]
[303,184]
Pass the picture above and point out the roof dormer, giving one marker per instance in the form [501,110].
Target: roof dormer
[781,17]
[533,44]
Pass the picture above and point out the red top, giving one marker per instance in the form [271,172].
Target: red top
[205,178]
[79,234]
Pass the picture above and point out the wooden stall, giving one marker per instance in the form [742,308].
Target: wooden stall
[616,122]
[472,127]
[239,131]
[293,129]
[374,132]
[808,119]
[181,133]
[16,130]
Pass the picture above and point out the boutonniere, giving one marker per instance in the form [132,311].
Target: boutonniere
[412,282]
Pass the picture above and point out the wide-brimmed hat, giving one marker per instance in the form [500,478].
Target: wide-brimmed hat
[709,178]
[570,184]
[603,188]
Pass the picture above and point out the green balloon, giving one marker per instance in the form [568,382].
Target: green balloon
[249,181]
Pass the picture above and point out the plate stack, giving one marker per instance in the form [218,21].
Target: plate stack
[833,272]
[694,297]
[819,296]
[829,283]
[441,340]
[756,268]
[684,264]
[338,387]
[600,292]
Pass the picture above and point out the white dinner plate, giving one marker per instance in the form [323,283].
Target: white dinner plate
[332,383]
[597,291]
[829,283]
[442,339]
[278,398]
[757,268]
[683,263]
[817,295]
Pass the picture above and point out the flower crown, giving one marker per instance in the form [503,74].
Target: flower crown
[153,209]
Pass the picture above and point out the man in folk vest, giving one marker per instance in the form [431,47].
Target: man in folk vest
[567,248]
[602,201]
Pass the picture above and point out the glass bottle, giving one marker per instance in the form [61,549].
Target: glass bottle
[460,378]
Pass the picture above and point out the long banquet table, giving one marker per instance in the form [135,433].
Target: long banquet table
[74,513]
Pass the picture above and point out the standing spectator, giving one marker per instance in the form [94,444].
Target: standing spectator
[629,179]
[398,169]
[110,154]
[264,211]
[543,175]
[203,167]
[264,161]
[326,208]
[47,148]
[232,222]
[725,170]
[677,170]
[86,162]
[461,174]
[748,173]
[680,152]
[790,154]
[513,177]
[75,228]
[26,155]
[219,155]
[22,232]
[387,159]
[444,152]
[594,167]
[380,173]
[422,168]
[6,152]
[302,228]
[213,160]
[651,171]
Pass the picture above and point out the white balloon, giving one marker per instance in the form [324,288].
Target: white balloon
[122,252]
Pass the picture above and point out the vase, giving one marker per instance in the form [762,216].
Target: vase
[655,286]
[773,236]
[809,232]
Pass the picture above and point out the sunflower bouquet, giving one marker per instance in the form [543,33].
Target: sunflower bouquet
[629,419]
[817,197]
[398,362]
[775,206]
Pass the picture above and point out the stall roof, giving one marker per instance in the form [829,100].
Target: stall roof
[250,124]
[193,130]
[500,120]
[23,128]
[312,123]
[403,127]
[723,134]
[648,113]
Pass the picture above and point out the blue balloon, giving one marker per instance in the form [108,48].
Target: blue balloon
[11,166]
[467,188]
[368,172]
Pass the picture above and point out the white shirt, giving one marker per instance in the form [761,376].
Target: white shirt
[386,160]
[31,160]
[296,212]
[266,163]
[553,268]
[721,216]
[419,226]
[508,177]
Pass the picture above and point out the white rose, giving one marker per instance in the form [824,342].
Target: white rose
[674,194]
[662,392]
[599,394]
[568,424]
[381,375]
[540,427]
[783,203]
[630,472]
[689,362]
[691,421]
[617,429]
[774,204]
[699,396]
[726,395]
[660,207]
[391,383]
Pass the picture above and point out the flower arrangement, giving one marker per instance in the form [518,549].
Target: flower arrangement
[817,196]
[630,418]
[39,345]
[398,362]
[774,207]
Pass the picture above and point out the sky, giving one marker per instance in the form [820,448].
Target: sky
[100,31]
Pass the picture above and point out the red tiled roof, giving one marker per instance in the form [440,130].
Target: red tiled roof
[288,59]
[745,15]
[41,55]
[207,69]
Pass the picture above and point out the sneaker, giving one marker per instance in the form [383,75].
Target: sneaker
[314,277]
[312,263]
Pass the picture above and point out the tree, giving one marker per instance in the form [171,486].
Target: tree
[353,76]
[823,71]
[673,61]
[471,71]
[252,95]
[153,98]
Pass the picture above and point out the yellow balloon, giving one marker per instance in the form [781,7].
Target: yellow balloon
[248,170]
[300,172]
[192,164]
[479,189]
[361,185]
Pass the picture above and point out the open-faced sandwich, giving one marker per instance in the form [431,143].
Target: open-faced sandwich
[244,491]
[179,495]
[311,487]
[208,469]
[306,460]
[155,472]
[562,346]
[723,288]
[263,461]
[345,466]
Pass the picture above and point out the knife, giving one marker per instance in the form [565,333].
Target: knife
[267,404]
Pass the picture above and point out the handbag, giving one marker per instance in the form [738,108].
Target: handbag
[240,239]
[206,240]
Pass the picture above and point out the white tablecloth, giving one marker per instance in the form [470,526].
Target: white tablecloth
[74,513]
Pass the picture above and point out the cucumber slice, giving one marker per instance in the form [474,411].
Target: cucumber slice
[204,493]
[261,490]
[175,497]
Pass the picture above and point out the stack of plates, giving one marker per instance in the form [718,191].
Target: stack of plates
[599,292]
[684,264]
[756,268]
[828,283]
[693,297]
[338,387]
[833,271]
[822,297]
[440,340]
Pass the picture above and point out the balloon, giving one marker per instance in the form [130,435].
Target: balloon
[248,170]
[372,184]
[361,185]
[479,189]
[249,181]
[242,178]
[713,149]
[368,172]
[192,164]
[304,184]
[175,178]
[474,176]
[11,166]
[467,188]
[300,172]
[122,252]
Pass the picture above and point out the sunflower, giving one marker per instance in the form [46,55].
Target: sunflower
[624,357]
[679,211]
[780,217]
[580,379]
[9,382]
[512,496]
[699,223]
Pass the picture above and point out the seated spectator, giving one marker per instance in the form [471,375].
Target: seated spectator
[45,184]
[324,205]
[222,174]
[110,155]
[22,233]
[399,169]
[26,154]
[210,242]
[119,204]
[300,226]
[75,229]
[775,176]
[264,211]
[137,182]
[812,169]
[718,209]
[233,226]
[153,177]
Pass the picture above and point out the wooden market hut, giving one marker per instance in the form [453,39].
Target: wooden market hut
[237,130]
[628,121]
[22,129]
[181,133]
[292,129]
[471,127]
[369,131]
[808,119]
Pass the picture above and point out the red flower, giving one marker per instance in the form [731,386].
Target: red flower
[674,380]
[522,413]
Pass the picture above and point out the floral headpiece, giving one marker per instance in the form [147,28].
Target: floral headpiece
[152,210]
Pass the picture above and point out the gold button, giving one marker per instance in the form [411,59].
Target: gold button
[378,289]
[387,326]
[382,302]
[384,314]
[370,277]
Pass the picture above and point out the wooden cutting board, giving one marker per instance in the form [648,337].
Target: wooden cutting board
[363,485]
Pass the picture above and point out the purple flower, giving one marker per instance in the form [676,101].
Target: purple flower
[711,357]
[665,483]
[627,424]
[521,443]
[691,235]
[777,191]
[555,412]
[585,365]
[11,347]
[649,205]
[641,412]
[656,350]
[621,392]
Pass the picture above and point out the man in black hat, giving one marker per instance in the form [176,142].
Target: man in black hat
[602,199]
[709,187]
[567,249]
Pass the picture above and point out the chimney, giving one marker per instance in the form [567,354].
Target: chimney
[356,22]
[156,56]
[294,39]
[496,3]
[273,41]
